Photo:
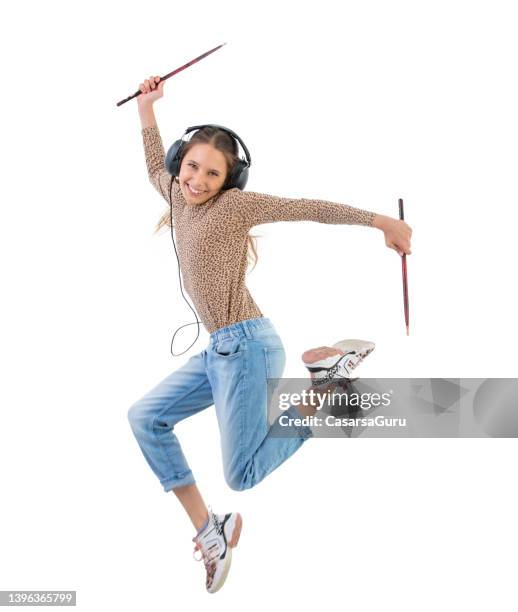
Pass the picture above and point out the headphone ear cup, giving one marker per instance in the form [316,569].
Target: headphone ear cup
[239,176]
[172,159]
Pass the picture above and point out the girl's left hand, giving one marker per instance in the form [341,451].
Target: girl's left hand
[397,233]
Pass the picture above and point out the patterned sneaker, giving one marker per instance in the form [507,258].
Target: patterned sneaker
[215,543]
[327,363]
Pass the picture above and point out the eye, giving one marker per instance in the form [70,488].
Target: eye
[193,165]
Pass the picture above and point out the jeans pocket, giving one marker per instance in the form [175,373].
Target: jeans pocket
[229,347]
[275,361]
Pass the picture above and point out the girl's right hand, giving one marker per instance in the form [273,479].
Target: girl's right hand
[151,90]
[397,233]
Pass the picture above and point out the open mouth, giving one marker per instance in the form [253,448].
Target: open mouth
[194,192]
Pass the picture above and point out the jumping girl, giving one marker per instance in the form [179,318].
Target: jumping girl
[211,218]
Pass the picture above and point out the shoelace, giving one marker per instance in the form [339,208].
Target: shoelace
[217,523]
[209,559]
[210,554]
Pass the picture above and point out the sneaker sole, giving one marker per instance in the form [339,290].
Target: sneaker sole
[236,534]
[362,355]
[341,346]
[228,560]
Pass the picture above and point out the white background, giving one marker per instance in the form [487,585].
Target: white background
[354,102]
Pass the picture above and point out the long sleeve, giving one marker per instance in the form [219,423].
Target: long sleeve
[257,208]
[155,159]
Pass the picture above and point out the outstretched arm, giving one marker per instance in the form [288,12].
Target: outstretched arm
[258,208]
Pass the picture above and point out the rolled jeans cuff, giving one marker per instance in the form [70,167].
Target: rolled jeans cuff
[172,483]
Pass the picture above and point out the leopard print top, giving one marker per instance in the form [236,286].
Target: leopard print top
[212,237]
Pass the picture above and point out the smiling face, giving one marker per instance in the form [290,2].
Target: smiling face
[202,173]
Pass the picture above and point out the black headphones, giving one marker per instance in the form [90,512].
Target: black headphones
[239,173]
[238,177]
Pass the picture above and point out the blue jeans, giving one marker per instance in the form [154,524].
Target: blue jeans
[232,374]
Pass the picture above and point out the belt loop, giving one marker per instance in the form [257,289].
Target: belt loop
[246,329]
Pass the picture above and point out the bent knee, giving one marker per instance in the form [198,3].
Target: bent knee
[132,414]
[238,481]
[138,416]
[145,417]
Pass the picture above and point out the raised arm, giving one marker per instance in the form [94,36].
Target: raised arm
[258,208]
[153,146]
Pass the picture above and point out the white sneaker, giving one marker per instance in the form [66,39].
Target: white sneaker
[340,363]
[215,543]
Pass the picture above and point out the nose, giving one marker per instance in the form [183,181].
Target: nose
[195,184]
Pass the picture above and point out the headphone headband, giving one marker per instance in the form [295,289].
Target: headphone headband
[225,129]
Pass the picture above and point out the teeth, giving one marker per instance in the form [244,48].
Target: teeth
[194,191]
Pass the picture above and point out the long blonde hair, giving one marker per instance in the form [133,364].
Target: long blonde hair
[222,141]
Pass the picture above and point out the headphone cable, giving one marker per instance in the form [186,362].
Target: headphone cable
[180,281]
